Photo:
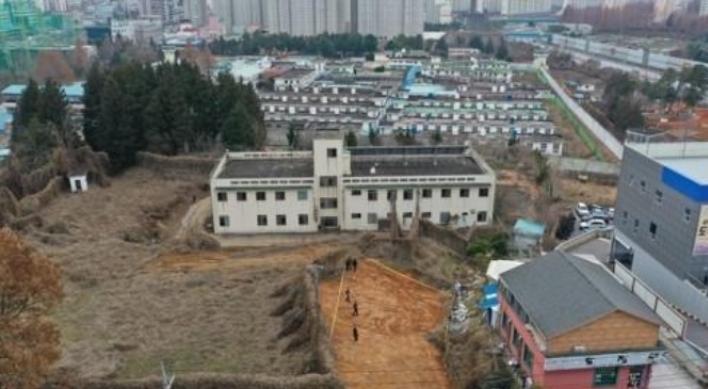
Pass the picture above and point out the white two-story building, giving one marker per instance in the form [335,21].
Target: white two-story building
[333,187]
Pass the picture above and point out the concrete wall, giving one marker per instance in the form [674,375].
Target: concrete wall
[616,331]
[600,132]
[672,245]
[665,283]
[638,57]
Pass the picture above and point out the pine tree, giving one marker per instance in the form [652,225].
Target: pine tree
[237,131]
[489,48]
[122,140]
[92,104]
[53,108]
[28,105]
[350,140]
[293,137]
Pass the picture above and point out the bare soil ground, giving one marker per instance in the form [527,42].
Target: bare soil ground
[130,304]
[395,314]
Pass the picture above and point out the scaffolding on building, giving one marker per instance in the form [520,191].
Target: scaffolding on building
[25,31]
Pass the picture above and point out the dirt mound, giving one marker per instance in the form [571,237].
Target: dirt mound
[302,323]
[468,357]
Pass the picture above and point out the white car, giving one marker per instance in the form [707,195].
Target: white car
[582,211]
[593,224]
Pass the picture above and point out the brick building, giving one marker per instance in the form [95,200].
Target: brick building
[570,324]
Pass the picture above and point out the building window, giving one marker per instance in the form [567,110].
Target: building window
[625,216]
[328,203]
[356,192]
[280,220]
[391,195]
[373,195]
[328,181]
[464,193]
[528,357]
[302,195]
[482,216]
[643,186]
[426,215]
[631,180]
[262,220]
[408,215]
[659,196]
[427,193]
[224,221]
[445,193]
[408,194]
[332,153]
[241,196]
[636,225]
[687,214]
[260,196]
[356,216]
[372,218]
[279,196]
[302,219]
[221,196]
[605,376]
[444,217]
[483,192]
[652,230]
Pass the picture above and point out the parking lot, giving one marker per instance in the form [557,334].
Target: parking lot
[590,217]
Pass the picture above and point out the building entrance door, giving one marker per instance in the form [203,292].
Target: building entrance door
[329,222]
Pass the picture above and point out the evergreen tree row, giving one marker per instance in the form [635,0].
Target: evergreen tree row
[167,109]
[326,45]
[40,123]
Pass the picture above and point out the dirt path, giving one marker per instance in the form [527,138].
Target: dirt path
[395,315]
[193,219]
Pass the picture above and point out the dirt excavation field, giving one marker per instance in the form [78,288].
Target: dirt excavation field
[395,314]
[132,301]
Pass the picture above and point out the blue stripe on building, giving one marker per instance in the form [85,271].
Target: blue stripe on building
[684,185]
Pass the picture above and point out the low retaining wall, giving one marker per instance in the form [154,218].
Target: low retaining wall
[217,381]
[181,164]
[447,237]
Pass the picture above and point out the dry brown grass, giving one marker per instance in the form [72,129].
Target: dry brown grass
[120,318]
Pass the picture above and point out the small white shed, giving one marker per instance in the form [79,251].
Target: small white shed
[78,182]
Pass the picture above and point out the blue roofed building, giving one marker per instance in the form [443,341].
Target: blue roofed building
[528,234]
[661,221]
[74,94]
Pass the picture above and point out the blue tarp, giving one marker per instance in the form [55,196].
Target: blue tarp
[528,227]
[490,299]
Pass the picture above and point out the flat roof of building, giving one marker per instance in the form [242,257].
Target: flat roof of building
[688,159]
[268,168]
[414,166]
[292,74]
[695,168]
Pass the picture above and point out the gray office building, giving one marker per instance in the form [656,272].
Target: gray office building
[661,221]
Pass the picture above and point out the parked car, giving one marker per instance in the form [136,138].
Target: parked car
[582,211]
[592,224]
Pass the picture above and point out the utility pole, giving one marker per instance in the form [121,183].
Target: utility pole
[166,379]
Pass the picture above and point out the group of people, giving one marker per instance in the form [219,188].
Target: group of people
[350,265]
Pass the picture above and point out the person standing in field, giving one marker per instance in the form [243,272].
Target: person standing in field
[347,296]
[355,333]
[354,265]
[356,309]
